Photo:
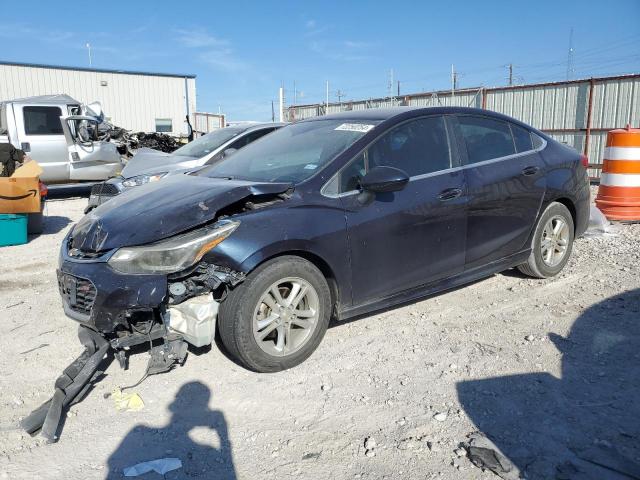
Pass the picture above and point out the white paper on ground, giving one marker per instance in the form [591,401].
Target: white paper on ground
[162,466]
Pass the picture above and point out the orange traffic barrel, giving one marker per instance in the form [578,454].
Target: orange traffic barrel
[619,191]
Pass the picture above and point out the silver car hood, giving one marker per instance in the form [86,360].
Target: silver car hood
[149,161]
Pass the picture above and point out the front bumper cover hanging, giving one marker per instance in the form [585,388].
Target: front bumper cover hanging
[74,383]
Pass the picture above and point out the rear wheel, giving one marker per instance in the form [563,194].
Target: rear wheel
[552,243]
[277,317]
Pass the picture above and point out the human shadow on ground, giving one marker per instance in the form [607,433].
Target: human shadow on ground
[191,416]
[584,425]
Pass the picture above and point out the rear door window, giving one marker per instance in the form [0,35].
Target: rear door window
[42,120]
[485,138]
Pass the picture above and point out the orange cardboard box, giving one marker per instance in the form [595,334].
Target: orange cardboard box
[20,193]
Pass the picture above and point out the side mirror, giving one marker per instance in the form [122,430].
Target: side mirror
[229,151]
[384,179]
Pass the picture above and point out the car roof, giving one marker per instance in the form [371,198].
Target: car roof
[256,126]
[58,99]
[391,112]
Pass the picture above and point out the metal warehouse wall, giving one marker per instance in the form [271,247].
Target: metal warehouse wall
[578,113]
[130,100]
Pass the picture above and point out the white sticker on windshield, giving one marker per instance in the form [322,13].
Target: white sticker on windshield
[355,127]
[310,166]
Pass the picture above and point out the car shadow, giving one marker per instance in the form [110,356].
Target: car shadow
[583,425]
[208,455]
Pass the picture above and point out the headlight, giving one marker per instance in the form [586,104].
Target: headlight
[142,179]
[173,254]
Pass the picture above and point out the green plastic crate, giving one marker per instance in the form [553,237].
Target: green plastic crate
[13,229]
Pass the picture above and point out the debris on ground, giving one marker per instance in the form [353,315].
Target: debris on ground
[370,446]
[484,454]
[598,224]
[161,466]
[127,402]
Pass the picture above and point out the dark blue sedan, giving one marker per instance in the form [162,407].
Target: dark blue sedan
[331,217]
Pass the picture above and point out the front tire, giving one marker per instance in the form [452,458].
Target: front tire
[552,243]
[277,317]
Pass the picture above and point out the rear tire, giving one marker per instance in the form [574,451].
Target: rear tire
[552,243]
[259,323]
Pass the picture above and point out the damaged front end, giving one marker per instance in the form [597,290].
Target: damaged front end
[162,293]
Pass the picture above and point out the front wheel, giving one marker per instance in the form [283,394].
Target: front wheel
[277,317]
[552,243]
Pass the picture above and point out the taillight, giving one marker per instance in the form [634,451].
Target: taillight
[43,189]
[584,160]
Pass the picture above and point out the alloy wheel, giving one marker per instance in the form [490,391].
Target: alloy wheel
[286,316]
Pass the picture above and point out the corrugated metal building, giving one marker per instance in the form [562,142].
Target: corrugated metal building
[578,112]
[139,101]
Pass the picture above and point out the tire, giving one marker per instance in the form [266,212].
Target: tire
[249,305]
[539,265]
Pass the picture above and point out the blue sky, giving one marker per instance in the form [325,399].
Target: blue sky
[243,51]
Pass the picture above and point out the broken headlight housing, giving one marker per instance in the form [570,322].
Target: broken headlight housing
[142,179]
[173,254]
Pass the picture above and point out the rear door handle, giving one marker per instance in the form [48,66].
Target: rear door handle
[528,171]
[449,194]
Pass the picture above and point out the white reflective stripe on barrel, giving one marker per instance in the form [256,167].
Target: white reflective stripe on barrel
[620,180]
[622,153]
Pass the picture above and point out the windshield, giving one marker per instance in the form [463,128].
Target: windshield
[208,143]
[293,153]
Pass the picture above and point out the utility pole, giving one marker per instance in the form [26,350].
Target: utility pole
[398,88]
[570,56]
[340,94]
[89,48]
[390,84]
[510,74]
[454,80]
[326,111]
[281,109]
[273,113]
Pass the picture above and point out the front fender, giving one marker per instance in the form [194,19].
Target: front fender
[317,233]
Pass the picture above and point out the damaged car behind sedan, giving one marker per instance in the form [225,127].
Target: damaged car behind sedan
[331,217]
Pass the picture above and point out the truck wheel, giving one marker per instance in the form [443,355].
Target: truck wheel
[552,243]
[277,317]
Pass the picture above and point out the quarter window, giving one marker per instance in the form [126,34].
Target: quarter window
[417,147]
[42,120]
[486,138]
[522,138]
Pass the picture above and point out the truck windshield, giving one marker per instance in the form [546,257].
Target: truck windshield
[293,153]
[208,143]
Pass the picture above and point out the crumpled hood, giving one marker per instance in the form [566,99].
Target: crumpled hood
[159,210]
[149,161]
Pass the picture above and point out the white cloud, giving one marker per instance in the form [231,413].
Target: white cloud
[199,39]
[214,51]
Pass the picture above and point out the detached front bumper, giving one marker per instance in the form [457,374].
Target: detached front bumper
[99,297]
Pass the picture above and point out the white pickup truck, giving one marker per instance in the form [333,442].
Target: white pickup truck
[61,135]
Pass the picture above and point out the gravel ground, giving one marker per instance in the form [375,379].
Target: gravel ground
[546,368]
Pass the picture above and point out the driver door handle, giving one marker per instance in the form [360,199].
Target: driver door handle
[528,171]
[449,194]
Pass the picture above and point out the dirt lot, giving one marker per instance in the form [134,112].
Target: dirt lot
[548,369]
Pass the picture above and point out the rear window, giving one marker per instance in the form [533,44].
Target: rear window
[42,120]
[486,138]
